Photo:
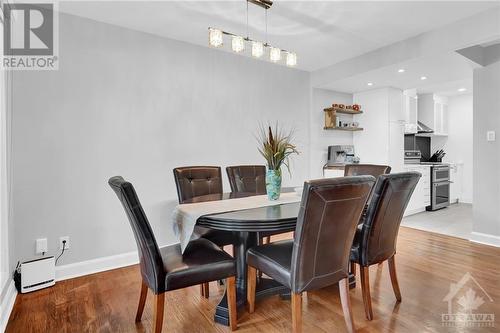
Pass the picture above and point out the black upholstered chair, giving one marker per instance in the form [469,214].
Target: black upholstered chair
[318,256]
[196,181]
[250,179]
[165,269]
[366,169]
[375,239]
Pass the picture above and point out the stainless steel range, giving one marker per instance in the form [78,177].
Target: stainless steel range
[440,187]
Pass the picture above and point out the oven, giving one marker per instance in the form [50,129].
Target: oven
[440,187]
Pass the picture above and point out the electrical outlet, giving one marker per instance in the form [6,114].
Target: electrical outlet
[41,245]
[61,239]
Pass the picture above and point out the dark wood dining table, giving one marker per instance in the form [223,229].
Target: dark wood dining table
[246,225]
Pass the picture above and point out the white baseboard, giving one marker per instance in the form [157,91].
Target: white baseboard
[7,304]
[96,265]
[479,237]
[409,212]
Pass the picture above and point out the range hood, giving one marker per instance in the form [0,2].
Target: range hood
[422,128]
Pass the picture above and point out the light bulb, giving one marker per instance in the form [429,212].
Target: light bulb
[215,37]
[291,59]
[257,49]
[238,44]
[275,54]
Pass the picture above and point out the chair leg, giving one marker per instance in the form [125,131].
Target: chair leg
[353,268]
[268,239]
[346,304]
[142,301]
[394,278]
[202,290]
[231,302]
[159,303]
[251,281]
[296,312]
[365,288]
[206,290]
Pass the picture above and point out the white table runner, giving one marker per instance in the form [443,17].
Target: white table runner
[184,216]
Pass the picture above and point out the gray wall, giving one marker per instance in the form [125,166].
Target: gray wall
[132,104]
[486,191]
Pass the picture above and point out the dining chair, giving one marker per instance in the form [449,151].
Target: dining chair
[366,169]
[195,181]
[165,269]
[250,179]
[318,256]
[375,239]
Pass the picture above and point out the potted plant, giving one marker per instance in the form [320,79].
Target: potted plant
[276,147]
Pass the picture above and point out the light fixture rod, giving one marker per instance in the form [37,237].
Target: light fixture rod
[266,44]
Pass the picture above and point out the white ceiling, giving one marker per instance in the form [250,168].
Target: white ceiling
[320,32]
[445,74]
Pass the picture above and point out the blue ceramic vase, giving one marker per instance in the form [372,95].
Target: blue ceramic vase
[273,184]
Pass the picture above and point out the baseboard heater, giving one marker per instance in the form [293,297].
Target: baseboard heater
[35,274]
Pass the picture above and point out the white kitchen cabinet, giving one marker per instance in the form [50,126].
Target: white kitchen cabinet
[433,112]
[421,196]
[410,107]
[333,172]
[456,171]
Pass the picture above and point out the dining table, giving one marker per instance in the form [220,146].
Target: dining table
[246,225]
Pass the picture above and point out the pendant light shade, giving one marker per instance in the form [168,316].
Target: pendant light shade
[257,49]
[291,59]
[238,44]
[275,54]
[215,37]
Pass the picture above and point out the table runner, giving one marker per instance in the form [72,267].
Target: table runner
[184,216]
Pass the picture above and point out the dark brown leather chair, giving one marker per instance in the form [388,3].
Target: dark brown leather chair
[247,178]
[376,237]
[318,256]
[366,169]
[196,181]
[167,268]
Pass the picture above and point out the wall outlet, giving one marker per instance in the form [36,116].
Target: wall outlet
[490,136]
[61,239]
[41,245]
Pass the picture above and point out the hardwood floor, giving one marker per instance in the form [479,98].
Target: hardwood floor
[427,264]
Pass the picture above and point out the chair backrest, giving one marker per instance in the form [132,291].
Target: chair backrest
[151,263]
[329,213]
[195,181]
[247,178]
[366,169]
[388,201]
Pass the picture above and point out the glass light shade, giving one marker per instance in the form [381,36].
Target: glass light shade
[215,37]
[257,49]
[275,54]
[238,44]
[291,59]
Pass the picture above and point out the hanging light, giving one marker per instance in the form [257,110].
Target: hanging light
[275,54]
[215,37]
[257,49]
[238,44]
[291,59]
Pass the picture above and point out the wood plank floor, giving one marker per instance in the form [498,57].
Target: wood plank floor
[427,264]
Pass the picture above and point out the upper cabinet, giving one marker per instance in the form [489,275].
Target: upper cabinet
[433,112]
[410,108]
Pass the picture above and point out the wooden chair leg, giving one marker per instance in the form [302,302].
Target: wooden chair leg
[296,312]
[346,304]
[159,304]
[251,282]
[268,239]
[365,288]
[394,278]
[231,302]
[202,290]
[142,301]
[206,290]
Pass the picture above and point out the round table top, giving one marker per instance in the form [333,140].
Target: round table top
[272,218]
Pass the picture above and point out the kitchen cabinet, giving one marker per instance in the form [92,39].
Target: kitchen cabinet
[333,172]
[456,174]
[432,111]
[410,107]
[421,196]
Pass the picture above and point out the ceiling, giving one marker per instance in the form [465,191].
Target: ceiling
[320,32]
[445,74]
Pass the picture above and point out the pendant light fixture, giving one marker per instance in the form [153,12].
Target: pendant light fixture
[258,48]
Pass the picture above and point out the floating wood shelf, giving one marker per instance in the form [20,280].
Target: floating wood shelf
[345,111]
[352,129]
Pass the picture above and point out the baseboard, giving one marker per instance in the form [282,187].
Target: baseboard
[7,304]
[96,265]
[479,237]
[409,212]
